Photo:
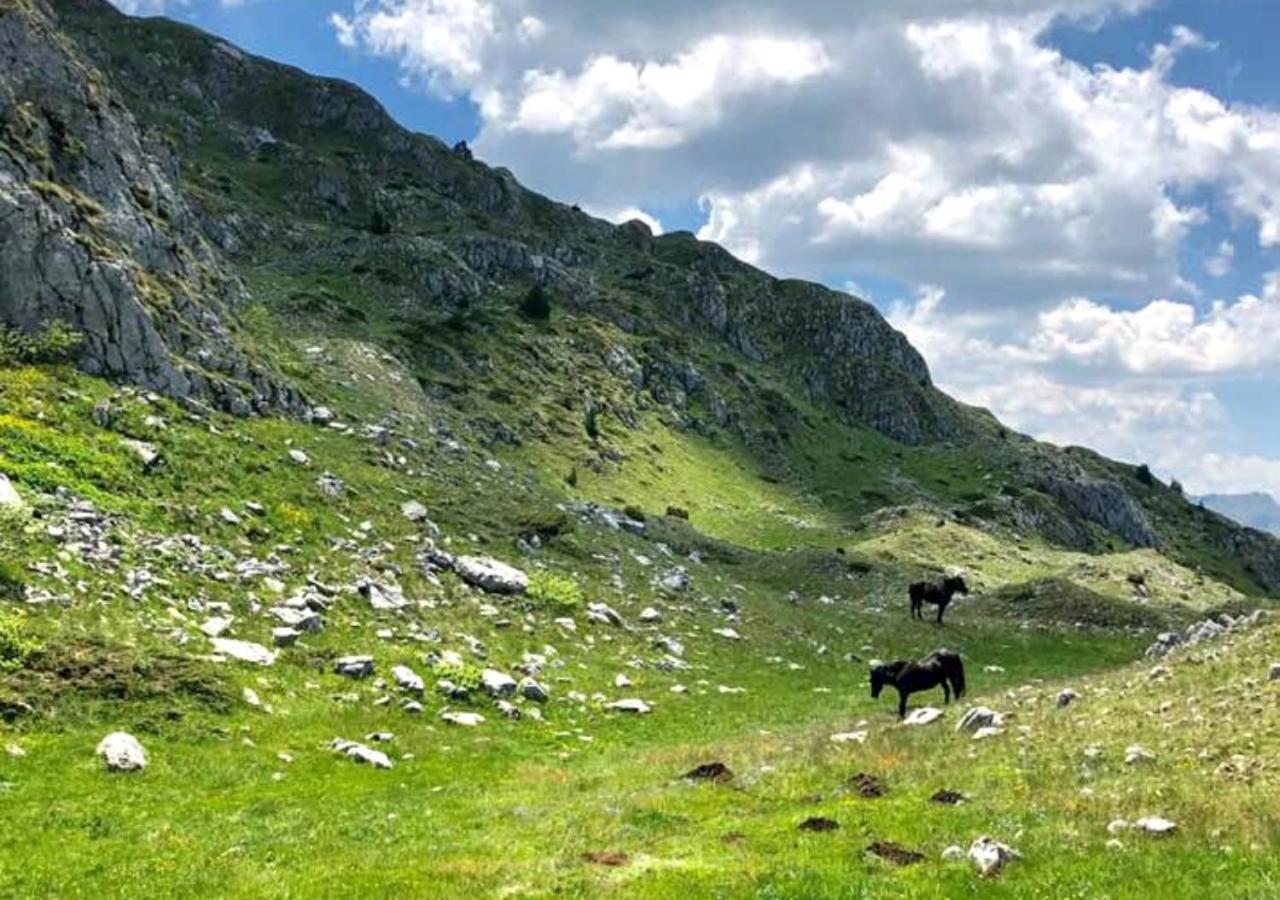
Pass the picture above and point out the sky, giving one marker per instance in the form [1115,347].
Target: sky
[1071,207]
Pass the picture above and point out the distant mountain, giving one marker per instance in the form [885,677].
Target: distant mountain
[1257,510]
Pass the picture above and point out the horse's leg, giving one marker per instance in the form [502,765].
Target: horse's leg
[946,692]
[902,703]
[942,607]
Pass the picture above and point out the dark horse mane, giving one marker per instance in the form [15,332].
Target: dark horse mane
[941,668]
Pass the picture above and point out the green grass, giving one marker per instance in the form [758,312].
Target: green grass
[512,808]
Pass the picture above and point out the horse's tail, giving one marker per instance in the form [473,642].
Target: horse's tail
[957,677]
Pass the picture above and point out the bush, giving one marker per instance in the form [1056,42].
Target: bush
[55,342]
[16,646]
[13,583]
[1144,476]
[550,589]
[537,303]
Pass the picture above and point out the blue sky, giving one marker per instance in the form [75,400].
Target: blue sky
[1071,206]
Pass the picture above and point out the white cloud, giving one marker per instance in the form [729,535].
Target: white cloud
[1219,264]
[626,214]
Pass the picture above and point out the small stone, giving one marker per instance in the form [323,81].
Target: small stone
[497,684]
[360,753]
[1275,671]
[122,753]
[251,697]
[1155,825]
[1135,754]
[631,705]
[413,511]
[408,680]
[299,457]
[467,719]
[953,853]
[990,856]
[849,737]
[354,666]
[285,636]
[228,516]
[531,689]
[216,626]
[1066,697]
[649,615]
[922,716]
[245,651]
[977,718]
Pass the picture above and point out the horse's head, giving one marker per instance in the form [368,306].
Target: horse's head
[879,677]
[956,585]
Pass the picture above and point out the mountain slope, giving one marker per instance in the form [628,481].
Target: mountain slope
[299,200]
[328,363]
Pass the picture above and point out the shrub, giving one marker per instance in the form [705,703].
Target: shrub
[550,589]
[633,512]
[537,303]
[55,342]
[16,646]
[1144,476]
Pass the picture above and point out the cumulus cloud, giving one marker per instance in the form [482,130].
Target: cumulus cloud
[904,138]
[1140,385]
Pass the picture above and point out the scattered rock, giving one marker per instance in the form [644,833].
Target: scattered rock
[849,737]
[1066,697]
[216,626]
[9,496]
[531,689]
[497,684]
[947,797]
[299,457]
[1275,672]
[979,717]
[146,453]
[353,666]
[649,615]
[285,636]
[953,853]
[675,581]
[604,614]
[631,705]
[1155,825]
[360,753]
[467,719]
[727,633]
[122,753]
[712,771]
[1136,754]
[894,853]
[408,680]
[925,715]
[245,651]
[490,575]
[413,511]
[990,856]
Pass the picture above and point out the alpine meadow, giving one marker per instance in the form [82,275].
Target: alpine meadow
[372,525]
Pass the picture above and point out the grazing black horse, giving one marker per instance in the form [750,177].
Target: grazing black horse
[940,595]
[940,668]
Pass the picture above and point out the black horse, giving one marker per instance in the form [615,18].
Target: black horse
[941,668]
[940,595]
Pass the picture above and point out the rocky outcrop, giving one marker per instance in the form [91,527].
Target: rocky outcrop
[95,233]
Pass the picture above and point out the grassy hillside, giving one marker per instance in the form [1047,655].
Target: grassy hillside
[451,364]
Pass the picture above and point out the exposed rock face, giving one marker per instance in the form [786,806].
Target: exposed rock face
[95,232]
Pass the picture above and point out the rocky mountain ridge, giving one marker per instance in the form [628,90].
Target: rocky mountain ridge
[156,182]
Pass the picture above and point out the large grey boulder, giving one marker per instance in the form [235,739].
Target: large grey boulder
[491,575]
